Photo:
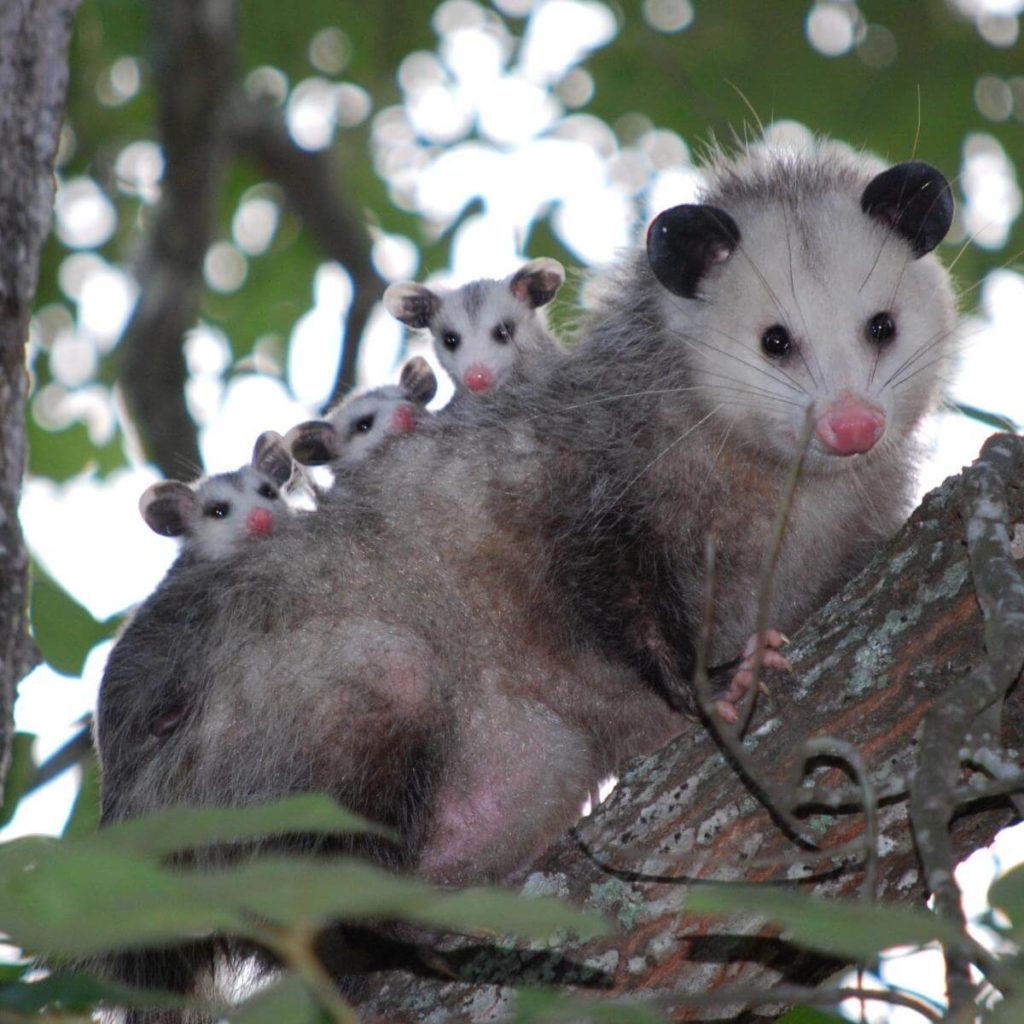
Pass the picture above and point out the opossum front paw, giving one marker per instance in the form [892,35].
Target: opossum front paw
[727,706]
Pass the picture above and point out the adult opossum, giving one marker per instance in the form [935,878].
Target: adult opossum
[503,610]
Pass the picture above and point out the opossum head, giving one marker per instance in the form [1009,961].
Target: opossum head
[220,514]
[362,423]
[807,281]
[481,330]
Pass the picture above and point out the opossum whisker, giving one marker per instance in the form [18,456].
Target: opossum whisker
[739,389]
[965,291]
[695,342]
[926,346]
[682,437]
[910,376]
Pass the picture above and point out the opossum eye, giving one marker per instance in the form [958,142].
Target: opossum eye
[266,491]
[776,341]
[881,328]
[450,340]
[364,424]
[504,332]
[216,509]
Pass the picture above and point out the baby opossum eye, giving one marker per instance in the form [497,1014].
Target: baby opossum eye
[363,425]
[776,341]
[450,340]
[266,491]
[216,509]
[881,328]
[503,332]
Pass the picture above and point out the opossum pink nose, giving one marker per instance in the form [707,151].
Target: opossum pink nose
[260,522]
[850,426]
[478,378]
[404,421]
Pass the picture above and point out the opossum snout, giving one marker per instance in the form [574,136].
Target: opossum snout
[850,426]
[404,420]
[260,522]
[478,378]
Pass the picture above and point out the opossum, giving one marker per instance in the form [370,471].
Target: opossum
[360,425]
[486,328]
[217,515]
[513,611]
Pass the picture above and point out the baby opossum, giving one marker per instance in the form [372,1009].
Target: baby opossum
[220,513]
[513,614]
[363,422]
[484,329]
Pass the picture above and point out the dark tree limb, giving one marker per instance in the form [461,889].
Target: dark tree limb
[194,46]
[33,86]
[309,181]
[867,669]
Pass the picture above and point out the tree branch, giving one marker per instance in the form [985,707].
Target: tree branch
[194,56]
[867,667]
[33,88]
[310,182]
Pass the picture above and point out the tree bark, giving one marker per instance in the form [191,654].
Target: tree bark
[33,87]
[866,670]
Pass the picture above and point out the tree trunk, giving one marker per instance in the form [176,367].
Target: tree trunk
[866,669]
[33,86]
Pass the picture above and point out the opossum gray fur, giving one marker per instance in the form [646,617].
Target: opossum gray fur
[506,609]
[486,329]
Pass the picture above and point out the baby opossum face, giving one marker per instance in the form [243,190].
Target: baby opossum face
[483,329]
[359,426]
[827,299]
[223,512]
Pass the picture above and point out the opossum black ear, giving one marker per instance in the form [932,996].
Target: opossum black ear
[418,381]
[683,243]
[538,282]
[312,443]
[413,304]
[271,456]
[915,200]
[166,507]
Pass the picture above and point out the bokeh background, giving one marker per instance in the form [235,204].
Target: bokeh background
[352,144]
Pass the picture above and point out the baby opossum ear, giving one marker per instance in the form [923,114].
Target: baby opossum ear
[413,304]
[417,380]
[312,443]
[271,457]
[684,242]
[915,200]
[166,506]
[538,282]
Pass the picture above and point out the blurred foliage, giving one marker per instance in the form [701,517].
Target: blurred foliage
[739,63]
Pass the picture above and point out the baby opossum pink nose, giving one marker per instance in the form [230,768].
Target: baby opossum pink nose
[404,420]
[260,522]
[850,426]
[479,378]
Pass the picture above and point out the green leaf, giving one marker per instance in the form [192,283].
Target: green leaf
[64,630]
[540,1006]
[809,1015]
[74,898]
[1007,895]
[287,1002]
[19,775]
[84,819]
[183,828]
[853,930]
[81,992]
[297,891]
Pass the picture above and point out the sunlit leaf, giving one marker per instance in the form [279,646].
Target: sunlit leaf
[19,774]
[182,828]
[296,891]
[809,1015]
[543,1006]
[286,1002]
[853,930]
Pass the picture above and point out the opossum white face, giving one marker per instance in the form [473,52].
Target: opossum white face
[481,330]
[362,424]
[224,512]
[811,285]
